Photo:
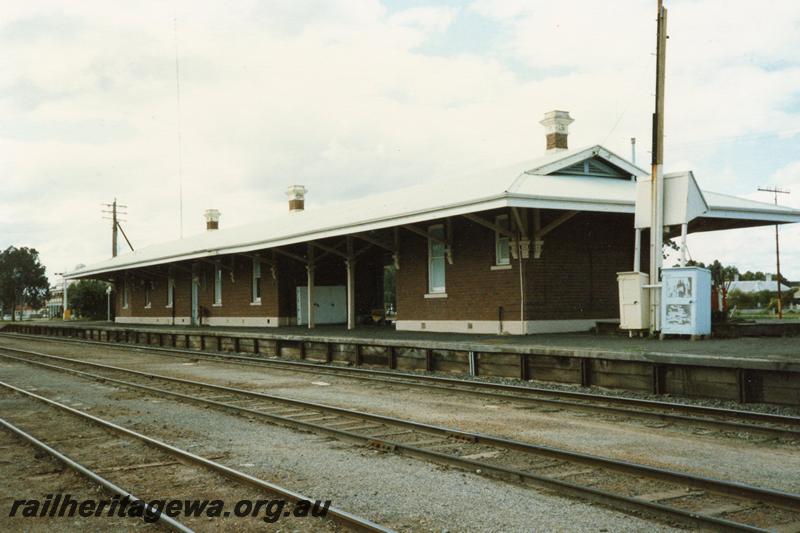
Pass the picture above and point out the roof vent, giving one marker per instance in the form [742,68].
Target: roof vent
[297,197]
[556,127]
[212,219]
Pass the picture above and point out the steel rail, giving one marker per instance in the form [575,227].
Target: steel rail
[344,517]
[621,502]
[93,476]
[586,401]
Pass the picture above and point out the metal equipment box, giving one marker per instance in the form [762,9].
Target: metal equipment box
[685,301]
[634,300]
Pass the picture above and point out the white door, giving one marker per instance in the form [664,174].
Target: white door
[330,304]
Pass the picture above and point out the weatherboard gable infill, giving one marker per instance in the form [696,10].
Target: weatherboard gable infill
[593,161]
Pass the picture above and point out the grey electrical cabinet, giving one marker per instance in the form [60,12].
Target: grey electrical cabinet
[685,301]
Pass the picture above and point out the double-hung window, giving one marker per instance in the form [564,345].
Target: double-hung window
[501,242]
[217,284]
[256,282]
[436,260]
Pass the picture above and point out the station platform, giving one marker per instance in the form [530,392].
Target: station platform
[748,369]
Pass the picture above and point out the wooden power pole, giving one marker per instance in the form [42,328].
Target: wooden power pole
[776,191]
[114,211]
[657,175]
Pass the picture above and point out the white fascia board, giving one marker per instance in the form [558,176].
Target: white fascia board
[753,214]
[571,204]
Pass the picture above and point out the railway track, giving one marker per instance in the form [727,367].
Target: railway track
[114,456]
[680,414]
[668,495]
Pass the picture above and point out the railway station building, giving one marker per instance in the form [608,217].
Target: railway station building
[533,247]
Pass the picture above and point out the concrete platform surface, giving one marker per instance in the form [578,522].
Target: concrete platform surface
[766,353]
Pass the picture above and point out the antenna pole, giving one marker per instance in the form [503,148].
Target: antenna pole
[657,176]
[775,191]
[178,115]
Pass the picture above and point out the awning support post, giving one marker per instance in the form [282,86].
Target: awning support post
[684,231]
[350,264]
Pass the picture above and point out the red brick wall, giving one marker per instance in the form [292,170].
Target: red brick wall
[474,291]
[576,276]
[236,292]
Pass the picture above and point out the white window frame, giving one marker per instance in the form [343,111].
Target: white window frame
[148,295]
[170,291]
[501,241]
[126,296]
[255,282]
[436,260]
[217,284]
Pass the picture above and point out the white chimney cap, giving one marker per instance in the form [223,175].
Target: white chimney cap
[296,192]
[556,122]
[211,215]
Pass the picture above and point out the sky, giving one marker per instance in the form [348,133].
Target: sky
[361,96]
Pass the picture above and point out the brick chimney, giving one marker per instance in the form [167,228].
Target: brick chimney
[297,197]
[212,219]
[556,127]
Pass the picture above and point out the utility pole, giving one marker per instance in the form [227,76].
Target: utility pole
[116,227]
[657,175]
[776,191]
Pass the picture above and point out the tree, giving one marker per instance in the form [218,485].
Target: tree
[720,274]
[88,298]
[22,279]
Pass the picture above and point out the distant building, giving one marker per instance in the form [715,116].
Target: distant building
[55,304]
[752,286]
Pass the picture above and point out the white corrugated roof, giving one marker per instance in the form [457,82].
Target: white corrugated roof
[519,185]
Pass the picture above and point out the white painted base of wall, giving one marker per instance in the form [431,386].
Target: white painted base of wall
[243,321]
[158,320]
[492,327]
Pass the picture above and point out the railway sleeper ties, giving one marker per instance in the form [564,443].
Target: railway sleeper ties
[92,475]
[720,418]
[631,476]
[356,522]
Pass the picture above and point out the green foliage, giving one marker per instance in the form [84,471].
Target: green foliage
[721,275]
[22,279]
[87,299]
[758,300]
